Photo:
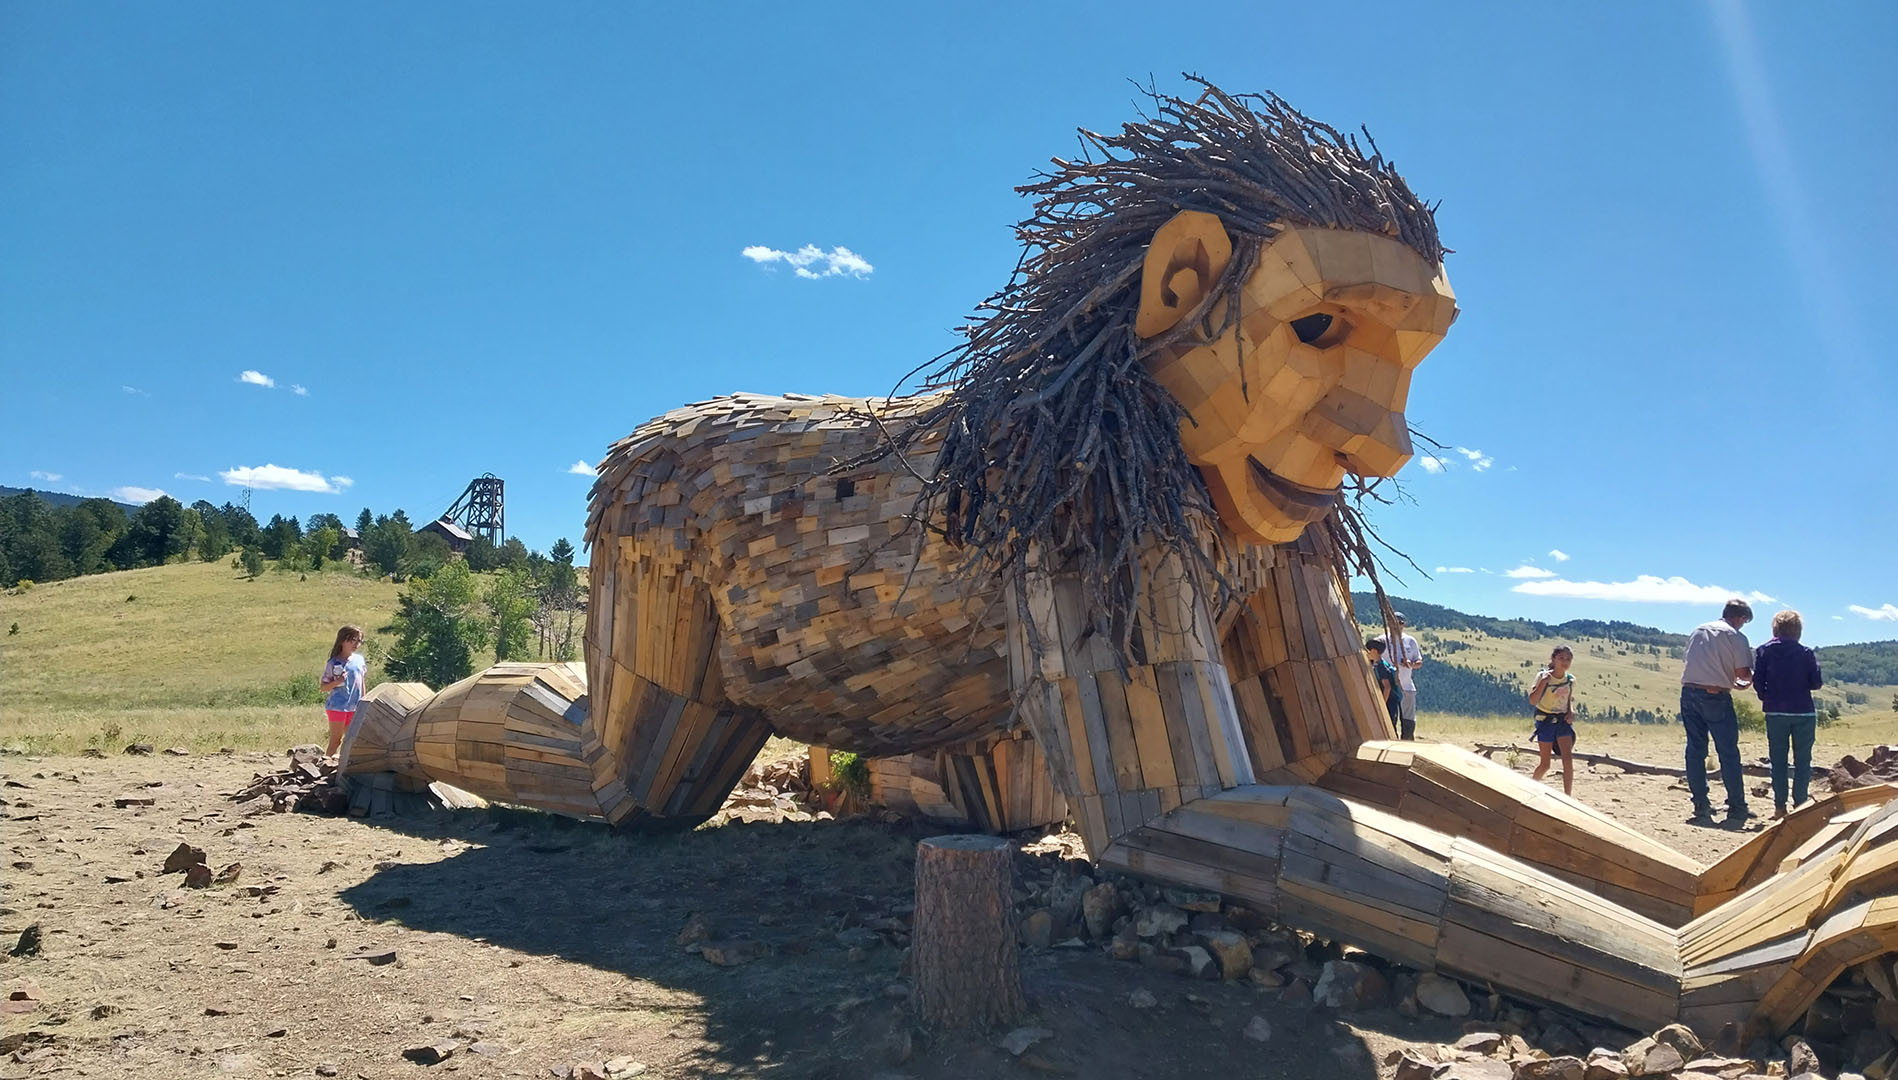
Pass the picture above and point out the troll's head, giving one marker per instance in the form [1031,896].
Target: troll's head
[1216,314]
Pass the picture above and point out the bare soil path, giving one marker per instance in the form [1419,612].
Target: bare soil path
[530,943]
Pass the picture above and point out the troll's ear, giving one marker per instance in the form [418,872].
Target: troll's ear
[1184,262]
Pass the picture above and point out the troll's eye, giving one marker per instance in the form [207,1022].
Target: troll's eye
[1320,330]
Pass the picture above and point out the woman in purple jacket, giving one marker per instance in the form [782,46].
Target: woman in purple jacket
[1785,673]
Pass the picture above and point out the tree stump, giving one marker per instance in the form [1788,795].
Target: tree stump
[963,950]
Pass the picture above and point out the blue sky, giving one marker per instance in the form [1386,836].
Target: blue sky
[493,238]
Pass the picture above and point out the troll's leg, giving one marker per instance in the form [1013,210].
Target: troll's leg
[655,736]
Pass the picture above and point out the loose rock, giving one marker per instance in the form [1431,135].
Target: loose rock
[1565,1067]
[734,953]
[1604,1064]
[1019,1040]
[1477,1069]
[1348,986]
[1682,1038]
[182,858]
[433,1054]
[1159,921]
[1800,1057]
[1480,1042]
[1259,1029]
[29,943]
[1037,929]
[1442,996]
[1100,905]
[1233,952]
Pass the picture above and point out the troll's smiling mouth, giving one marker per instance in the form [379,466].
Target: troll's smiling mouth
[1296,501]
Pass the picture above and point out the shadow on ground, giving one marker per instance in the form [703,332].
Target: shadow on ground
[812,1006]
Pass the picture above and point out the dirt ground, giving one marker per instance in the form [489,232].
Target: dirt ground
[532,943]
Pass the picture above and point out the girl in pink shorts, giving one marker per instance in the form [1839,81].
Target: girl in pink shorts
[342,684]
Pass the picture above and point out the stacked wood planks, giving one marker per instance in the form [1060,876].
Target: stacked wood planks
[1451,789]
[382,736]
[820,610]
[1127,747]
[1299,679]
[1002,787]
[1414,894]
[1762,957]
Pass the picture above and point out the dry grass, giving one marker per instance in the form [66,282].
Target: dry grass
[191,654]
[1613,673]
[1656,744]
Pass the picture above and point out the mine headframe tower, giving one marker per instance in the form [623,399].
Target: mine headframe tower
[480,510]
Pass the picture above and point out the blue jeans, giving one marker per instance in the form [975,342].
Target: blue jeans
[1797,730]
[1703,715]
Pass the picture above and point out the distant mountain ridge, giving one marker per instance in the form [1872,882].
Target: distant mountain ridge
[1422,616]
[1870,663]
[60,498]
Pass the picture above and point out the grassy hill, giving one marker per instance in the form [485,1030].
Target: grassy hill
[1482,666]
[195,654]
[60,498]
[190,654]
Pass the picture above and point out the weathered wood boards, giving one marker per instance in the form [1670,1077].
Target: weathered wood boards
[824,614]
[1126,748]
[1002,787]
[382,736]
[1299,679]
[1451,789]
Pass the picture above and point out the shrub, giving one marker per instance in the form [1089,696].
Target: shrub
[850,773]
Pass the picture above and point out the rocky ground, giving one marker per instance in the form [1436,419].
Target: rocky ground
[506,943]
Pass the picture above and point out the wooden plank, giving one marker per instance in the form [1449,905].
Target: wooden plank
[1356,920]
[1118,725]
[1070,718]
[1627,948]
[1149,730]
[1186,764]
[1464,950]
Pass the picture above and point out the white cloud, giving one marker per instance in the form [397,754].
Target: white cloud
[1644,589]
[190,476]
[1431,463]
[134,390]
[256,378]
[139,495]
[278,478]
[833,263]
[1882,613]
[580,468]
[298,390]
[1455,570]
[1527,571]
[1478,460]
[49,477]
[1558,555]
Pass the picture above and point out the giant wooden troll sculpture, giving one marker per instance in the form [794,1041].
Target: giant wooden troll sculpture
[1114,525]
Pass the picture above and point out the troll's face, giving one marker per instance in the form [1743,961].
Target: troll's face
[1308,381]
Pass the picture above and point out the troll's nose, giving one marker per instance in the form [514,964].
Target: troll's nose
[1373,438]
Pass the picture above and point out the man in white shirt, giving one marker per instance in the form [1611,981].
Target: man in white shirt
[1718,662]
[1408,659]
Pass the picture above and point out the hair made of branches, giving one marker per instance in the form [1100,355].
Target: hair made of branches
[1059,451]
